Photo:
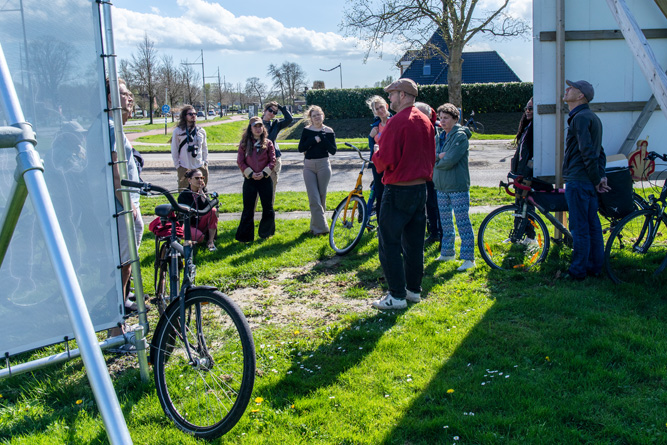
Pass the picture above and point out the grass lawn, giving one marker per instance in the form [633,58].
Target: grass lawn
[487,357]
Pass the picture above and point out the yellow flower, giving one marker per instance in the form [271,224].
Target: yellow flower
[79,402]
[254,411]
[292,406]
[259,400]
[296,332]
[547,357]
[449,391]
[0,396]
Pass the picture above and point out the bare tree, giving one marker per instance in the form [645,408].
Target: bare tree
[51,63]
[169,80]
[125,73]
[278,80]
[145,67]
[411,23]
[257,88]
[289,79]
[190,81]
[383,83]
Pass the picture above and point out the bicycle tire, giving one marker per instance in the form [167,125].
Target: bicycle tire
[207,399]
[347,225]
[502,247]
[476,127]
[162,283]
[608,224]
[631,254]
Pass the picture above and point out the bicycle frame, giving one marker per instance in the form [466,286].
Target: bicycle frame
[358,187]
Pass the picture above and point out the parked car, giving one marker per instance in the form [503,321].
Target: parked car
[211,113]
[200,114]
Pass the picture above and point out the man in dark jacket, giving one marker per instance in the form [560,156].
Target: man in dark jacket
[583,173]
[273,127]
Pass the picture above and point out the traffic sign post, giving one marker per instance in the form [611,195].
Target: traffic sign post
[165,110]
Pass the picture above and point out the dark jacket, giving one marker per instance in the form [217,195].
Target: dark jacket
[584,158]
[522,162]
[274,127]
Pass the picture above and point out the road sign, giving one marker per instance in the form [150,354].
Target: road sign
[166,108]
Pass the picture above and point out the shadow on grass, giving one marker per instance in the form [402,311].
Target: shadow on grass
[544,361]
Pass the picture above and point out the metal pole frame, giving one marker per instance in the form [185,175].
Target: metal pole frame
[30,176]
[109,53]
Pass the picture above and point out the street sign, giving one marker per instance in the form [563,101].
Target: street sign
[166,108]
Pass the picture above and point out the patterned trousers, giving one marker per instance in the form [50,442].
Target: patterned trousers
[459,204]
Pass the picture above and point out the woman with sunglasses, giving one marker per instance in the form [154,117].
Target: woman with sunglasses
[522,162]
[202,228]
[256,158]
[188,146]
[273,127]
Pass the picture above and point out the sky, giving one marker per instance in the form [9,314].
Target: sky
[241,41]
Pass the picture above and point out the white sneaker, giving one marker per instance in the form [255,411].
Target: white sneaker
[412,297]
[446,258]
[467,264]
[529,242]
[389,303]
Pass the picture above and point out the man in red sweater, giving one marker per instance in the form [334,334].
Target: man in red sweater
[406,155]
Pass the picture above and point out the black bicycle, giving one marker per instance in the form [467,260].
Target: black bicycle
[516,237]
[636,251]
[473,125]
[202,350]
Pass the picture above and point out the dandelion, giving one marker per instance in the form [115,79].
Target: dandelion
[292,406]
[296,332]
[449,391]
[547,357]
[79,402]
[259,400]
[254,411]
[0,396]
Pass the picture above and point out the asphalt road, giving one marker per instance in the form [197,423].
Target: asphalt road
[489,164]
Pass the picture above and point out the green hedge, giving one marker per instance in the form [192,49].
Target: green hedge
[481,97]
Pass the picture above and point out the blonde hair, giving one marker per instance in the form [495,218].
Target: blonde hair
[373,101]
[310,110]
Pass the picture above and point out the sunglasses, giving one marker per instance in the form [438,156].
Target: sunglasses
[272,111]
[192,114]
[198,178]
[529,108]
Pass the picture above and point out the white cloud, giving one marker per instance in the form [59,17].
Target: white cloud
[211,27]
[155,10]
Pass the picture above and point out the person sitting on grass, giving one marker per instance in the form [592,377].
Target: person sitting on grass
[202,228]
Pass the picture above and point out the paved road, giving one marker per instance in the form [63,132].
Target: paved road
[489,163]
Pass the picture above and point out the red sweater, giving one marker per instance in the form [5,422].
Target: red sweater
[407,148]
[264,161]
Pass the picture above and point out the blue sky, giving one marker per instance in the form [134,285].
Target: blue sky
[242,40]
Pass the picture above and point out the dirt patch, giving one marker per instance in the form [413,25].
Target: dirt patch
[304,296]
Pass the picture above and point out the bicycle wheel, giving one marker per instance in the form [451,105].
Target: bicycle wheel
[503,243]
[476,127]
[347,225]
[631,255]
[608,224]
[205,397]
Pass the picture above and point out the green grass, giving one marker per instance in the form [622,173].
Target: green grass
[298,201]
[488,357]
[159,124]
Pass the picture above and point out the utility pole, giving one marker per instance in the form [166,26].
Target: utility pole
[203,80]
[340,67]
[219,93]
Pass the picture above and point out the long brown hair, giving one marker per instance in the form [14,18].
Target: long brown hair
[183,117]
[522,125]
[247,138]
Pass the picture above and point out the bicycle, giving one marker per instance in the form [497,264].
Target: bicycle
[202,350]
[473,125]
[636,251]
[515,236]
[351,216]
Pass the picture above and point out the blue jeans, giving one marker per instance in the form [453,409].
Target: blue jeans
[459,204]
[401,236]
[588,245]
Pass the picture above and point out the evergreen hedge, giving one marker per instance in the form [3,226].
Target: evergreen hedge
[480,97]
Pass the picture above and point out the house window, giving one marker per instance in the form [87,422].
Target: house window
[427,69]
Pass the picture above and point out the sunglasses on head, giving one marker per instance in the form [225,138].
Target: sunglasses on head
[271,110]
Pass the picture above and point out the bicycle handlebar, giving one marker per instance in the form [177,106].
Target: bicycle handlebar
[358,152]
[652,156]
[148,187]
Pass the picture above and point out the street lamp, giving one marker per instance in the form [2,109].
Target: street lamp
[340,67]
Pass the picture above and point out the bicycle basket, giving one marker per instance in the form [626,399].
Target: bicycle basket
[617,203]
[551,201]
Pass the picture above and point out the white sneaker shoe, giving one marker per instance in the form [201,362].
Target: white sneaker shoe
[412,297]
[446,258]
[529,242]
[389,303]
[467,264]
